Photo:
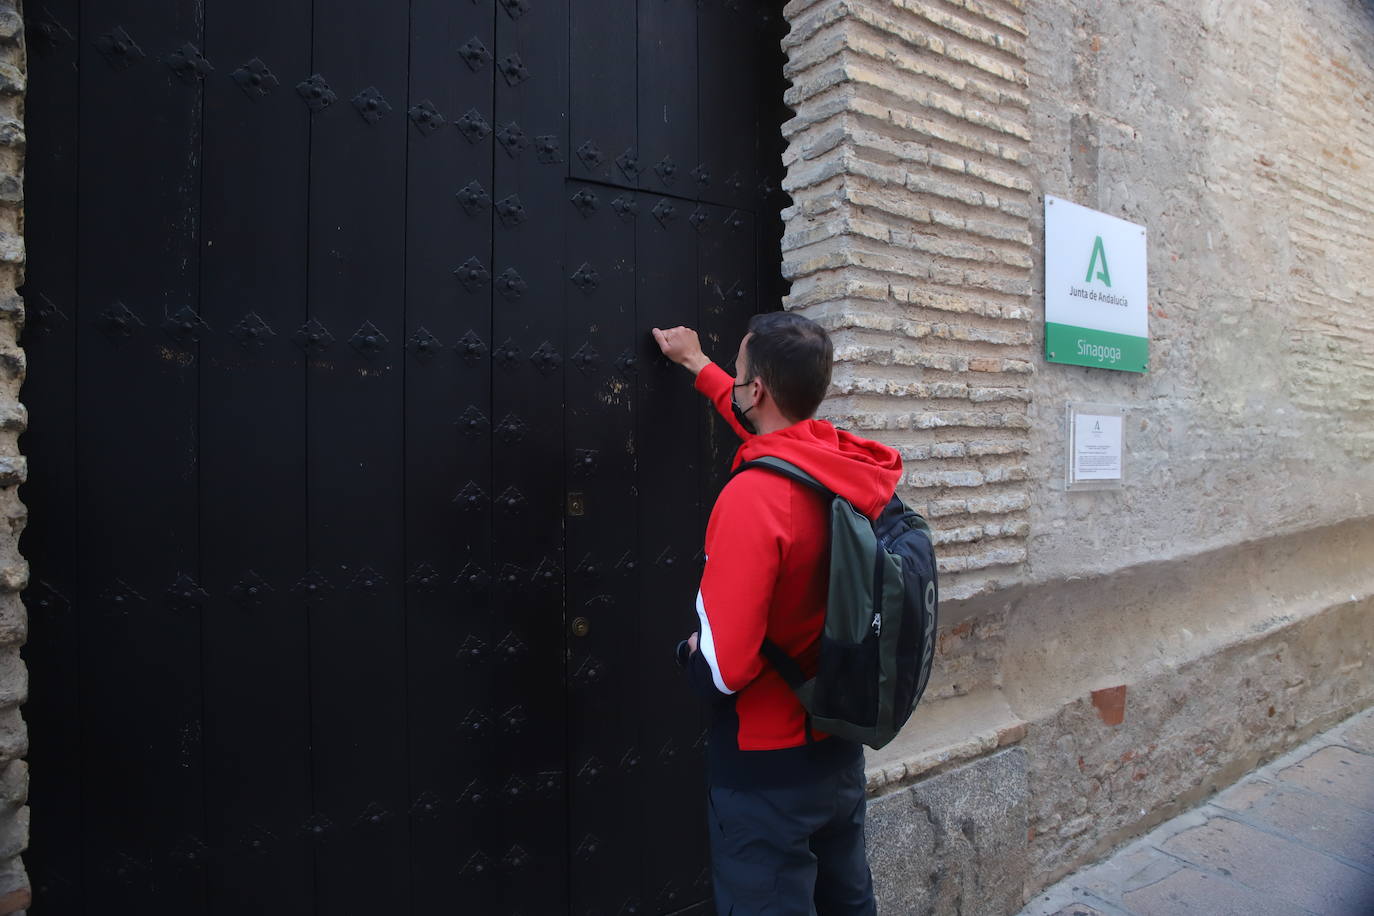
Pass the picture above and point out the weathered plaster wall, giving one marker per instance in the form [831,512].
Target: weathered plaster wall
[14,573]
[1242,135]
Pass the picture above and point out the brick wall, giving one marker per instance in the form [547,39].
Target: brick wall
[14,812]
[908,239]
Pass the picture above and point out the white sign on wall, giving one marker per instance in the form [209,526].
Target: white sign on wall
[1096,289]
[1096,439]
[1096,447]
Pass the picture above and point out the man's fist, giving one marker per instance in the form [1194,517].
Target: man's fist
[683,347]
[685,650]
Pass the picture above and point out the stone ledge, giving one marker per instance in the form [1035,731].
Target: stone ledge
[953,843]
[1249,590]
[942,732]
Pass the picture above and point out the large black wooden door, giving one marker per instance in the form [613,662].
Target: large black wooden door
[364,513]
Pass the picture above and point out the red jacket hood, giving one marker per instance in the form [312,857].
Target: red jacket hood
[861,470]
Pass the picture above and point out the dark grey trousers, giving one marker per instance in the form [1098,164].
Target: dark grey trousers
[797,851]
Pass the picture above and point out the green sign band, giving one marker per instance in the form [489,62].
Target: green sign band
[1065,343]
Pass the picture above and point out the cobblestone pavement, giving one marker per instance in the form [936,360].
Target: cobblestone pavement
[1293,837]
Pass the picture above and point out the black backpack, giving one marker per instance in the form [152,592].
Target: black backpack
[878,644]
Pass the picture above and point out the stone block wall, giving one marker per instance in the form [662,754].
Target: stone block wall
[14,775]
[908,238]
[953,843]
[1146,691]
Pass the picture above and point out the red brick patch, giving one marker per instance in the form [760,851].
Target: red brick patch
[1111,704]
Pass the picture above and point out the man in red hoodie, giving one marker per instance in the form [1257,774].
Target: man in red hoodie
[786,801]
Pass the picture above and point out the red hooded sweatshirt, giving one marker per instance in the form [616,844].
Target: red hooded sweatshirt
[766,575]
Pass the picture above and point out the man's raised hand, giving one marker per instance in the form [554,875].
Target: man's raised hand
[682,346]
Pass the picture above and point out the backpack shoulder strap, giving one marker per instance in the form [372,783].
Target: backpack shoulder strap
[786,469]
[783,663]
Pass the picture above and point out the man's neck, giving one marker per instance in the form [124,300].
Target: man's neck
[771,422]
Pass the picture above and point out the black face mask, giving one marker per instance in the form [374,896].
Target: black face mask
[742,416]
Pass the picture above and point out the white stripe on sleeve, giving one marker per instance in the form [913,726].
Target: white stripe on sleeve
[707,645]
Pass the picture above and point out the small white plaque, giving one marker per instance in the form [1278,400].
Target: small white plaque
[1096,447]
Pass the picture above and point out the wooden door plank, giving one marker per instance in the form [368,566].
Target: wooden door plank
[137,460]
[453,633]
[254,223]
[354,465]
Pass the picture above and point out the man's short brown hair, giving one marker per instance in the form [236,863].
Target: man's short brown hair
[792,356]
